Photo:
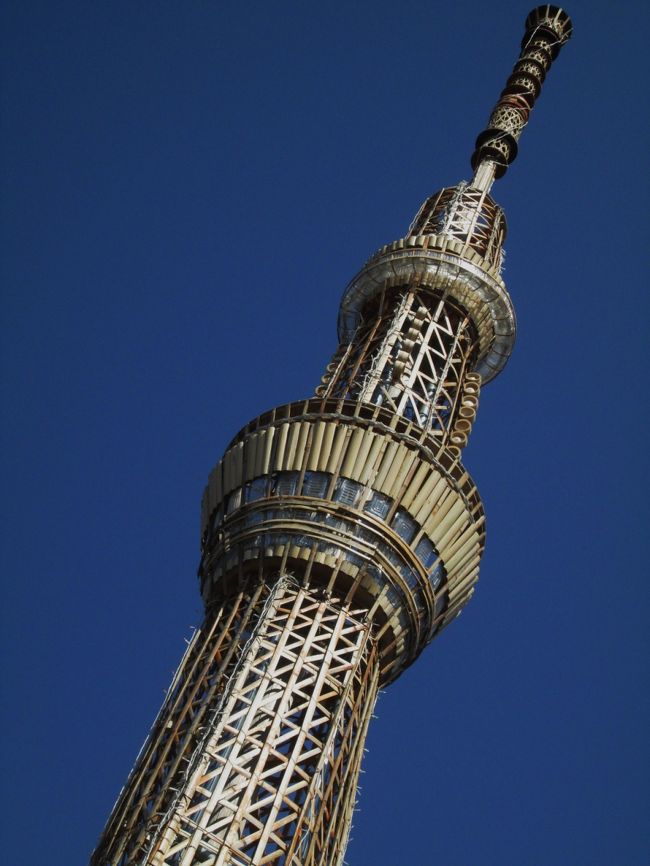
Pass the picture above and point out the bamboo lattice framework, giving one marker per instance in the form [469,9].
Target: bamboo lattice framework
[466,214]
[340,535]
[410,353]
[255,755]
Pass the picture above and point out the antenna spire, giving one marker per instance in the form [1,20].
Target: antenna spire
[548,28]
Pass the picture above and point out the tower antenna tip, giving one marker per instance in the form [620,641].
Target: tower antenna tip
[548,28]
[551,18]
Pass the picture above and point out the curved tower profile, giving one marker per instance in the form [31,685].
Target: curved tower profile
[340,535]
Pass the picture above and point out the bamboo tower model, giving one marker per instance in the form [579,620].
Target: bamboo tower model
[341,534]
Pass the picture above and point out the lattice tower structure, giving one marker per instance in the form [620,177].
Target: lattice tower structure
[341,534]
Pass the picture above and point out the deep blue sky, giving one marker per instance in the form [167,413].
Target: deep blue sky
[187,188]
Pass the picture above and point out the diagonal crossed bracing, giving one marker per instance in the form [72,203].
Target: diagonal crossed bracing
[269,776]
[409,355]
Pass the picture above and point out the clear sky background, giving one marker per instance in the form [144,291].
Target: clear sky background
[187,189]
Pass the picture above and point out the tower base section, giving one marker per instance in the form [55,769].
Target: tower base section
[255,755]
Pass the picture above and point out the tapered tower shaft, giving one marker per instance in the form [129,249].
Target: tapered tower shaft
[340,535]
[262,730]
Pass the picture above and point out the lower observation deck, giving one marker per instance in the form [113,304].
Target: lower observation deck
[352,500]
